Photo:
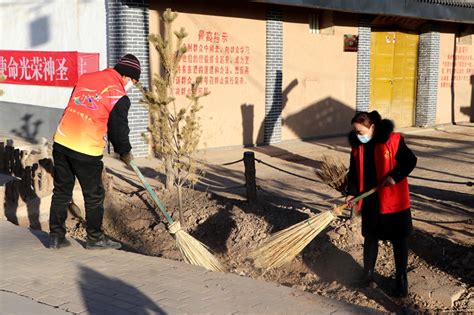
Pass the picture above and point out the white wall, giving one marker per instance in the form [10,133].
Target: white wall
[51,25]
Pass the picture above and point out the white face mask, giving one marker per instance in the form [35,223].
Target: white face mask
[364,138]
[128,86]
[367,136]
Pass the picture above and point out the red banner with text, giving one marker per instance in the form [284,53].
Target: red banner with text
[50,68]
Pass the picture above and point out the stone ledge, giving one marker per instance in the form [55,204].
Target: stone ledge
[430,285]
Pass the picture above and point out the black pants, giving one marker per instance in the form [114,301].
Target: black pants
[400,251]
[89,174]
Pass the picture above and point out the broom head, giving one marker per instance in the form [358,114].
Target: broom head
[333,172]
[193,251]
[283,246]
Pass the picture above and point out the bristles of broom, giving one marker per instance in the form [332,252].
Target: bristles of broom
[333,172]
[193,251]
[283,246]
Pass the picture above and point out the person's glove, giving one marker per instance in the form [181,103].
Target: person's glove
[127,158]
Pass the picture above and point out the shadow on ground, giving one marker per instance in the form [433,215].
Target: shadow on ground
[93,282]
[452,258]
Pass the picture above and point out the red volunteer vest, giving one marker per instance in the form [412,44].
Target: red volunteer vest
[391,198]
[84,122]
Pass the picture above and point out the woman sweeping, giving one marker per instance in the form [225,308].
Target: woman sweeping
[380,158]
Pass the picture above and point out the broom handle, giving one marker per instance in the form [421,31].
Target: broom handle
[361,196]
[151,192]
[366,194]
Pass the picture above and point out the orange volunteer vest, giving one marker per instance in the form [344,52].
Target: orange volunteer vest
[84,122]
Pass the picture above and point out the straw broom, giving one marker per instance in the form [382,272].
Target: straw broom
[193,251]
[333,172]
[284,245]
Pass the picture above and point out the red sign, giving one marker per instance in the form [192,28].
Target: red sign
[52,68]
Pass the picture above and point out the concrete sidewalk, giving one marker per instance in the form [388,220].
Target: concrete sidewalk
[117,282]
[14,304]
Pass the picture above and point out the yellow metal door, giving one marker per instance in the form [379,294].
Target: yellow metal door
[393,76]
[381,72]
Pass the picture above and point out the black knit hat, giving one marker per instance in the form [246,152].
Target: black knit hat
[129,66]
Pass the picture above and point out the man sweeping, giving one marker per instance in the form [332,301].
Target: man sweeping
[98,106]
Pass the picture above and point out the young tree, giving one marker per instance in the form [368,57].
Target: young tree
[174,128]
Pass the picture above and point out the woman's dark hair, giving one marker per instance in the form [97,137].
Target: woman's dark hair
[367,119]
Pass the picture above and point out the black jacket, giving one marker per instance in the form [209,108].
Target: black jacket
[117,126]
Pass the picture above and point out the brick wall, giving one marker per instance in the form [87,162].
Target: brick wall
[363,66]
[127,32]
[273,76]
[427,81]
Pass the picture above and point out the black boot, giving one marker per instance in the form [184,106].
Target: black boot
[401,286]
[400,251]
[367,279]
[371,248]
[55,242]
[103,243]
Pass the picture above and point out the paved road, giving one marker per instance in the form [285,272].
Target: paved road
[14,304]
[117,282]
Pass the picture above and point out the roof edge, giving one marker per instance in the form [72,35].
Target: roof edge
[437,10]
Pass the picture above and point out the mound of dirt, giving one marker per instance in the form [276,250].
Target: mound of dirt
[330,265]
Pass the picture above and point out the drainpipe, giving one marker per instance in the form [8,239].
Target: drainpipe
[453,96]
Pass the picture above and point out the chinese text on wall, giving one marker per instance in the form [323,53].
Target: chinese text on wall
[463,63]
[216,59]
